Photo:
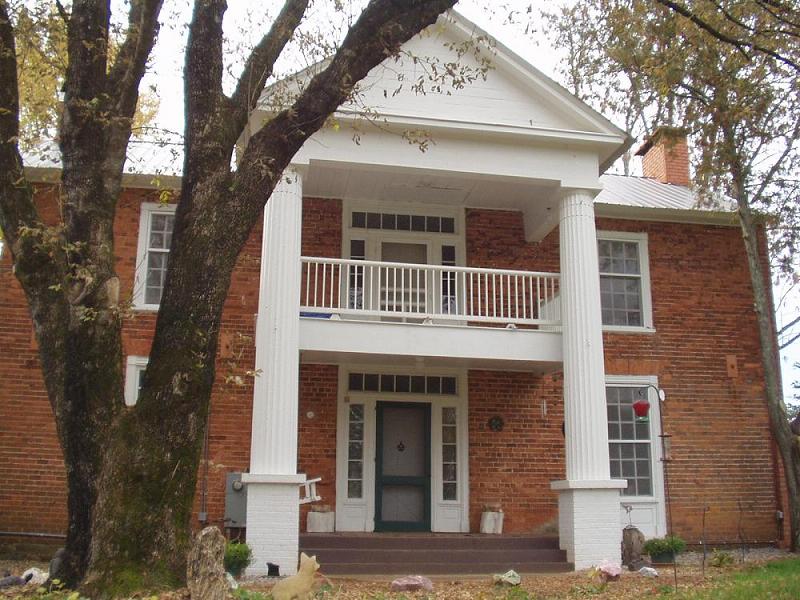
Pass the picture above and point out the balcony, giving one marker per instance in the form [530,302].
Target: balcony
[428,294]
[447,315]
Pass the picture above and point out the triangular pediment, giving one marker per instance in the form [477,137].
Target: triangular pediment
[513,94]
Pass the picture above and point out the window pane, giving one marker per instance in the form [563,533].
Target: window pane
[354,489]
[355,450]
[403,222]
[448,225]
[359,220]
[449,491]
[388,221]
[448,385]
[433,224]
[448,453]
[354,468]
[371,382]
[403,383]
[449,472]
[356,412]
[449,415]
[357,430]
[449,435]
[418,384]
[417,223]
[356,383]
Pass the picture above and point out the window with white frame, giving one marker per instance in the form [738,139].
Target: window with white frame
[134,373]
[629,441]
[624,280]
[155,237]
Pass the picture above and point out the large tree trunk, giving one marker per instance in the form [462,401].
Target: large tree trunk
[787,443]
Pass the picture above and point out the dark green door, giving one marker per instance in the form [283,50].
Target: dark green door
[403,467]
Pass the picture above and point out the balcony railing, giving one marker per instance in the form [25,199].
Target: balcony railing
[428,293]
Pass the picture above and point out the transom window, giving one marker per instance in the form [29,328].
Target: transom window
[394,222]
[629,441]
[411,384]
[624,285]
[155,238]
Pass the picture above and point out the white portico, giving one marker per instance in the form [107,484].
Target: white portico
[514,141]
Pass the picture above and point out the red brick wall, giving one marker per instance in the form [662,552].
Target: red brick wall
[702,309]
[703,317]
[516,465]
[32,483]
[317,445]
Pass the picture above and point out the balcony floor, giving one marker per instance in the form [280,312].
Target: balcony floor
[345,341]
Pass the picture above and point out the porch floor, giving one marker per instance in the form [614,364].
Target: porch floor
[433,553]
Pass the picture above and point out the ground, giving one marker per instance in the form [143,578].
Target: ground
[765,573]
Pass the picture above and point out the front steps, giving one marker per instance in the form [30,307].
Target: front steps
[433,553]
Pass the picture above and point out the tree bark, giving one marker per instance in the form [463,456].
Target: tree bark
[787,443]
[141,524]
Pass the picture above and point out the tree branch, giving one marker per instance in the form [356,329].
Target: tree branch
[261,62]
[741,45]
[130,64]
[382,28]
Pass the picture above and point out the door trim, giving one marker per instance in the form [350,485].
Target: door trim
[380,480]
[358,514]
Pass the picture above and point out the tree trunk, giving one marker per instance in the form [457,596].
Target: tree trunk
[779,422]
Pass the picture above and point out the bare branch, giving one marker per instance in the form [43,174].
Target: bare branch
[130,64]
[262,59]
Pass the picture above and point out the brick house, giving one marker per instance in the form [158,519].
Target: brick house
[434,333]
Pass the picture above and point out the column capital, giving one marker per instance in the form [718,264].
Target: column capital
[566,192]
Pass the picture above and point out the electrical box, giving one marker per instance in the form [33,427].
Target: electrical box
[235,501]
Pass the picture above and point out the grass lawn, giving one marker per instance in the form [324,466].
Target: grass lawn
[774,580]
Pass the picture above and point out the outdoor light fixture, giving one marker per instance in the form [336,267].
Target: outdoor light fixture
[641,408]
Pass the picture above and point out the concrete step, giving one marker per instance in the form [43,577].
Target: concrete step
[433,554]
[427,541]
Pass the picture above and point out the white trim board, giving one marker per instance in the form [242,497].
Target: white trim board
[359,514]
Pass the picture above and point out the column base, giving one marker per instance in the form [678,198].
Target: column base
[589,526]
[273,521]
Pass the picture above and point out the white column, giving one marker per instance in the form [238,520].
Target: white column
[273,519]
[589,517]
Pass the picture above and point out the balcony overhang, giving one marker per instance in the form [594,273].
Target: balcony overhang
[334,341]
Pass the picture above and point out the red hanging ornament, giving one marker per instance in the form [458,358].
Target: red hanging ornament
[641,408]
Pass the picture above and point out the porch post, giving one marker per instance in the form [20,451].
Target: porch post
[273,512]
[588,506]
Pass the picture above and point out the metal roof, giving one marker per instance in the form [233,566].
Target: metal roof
[645,193]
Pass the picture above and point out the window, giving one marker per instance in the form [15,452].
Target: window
[624,280]
[355,451]
[409,384]
[155,237]
[629,440]
[449,454]
[392,222]
[134,372]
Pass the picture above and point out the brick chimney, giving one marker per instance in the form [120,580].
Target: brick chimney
[665,156]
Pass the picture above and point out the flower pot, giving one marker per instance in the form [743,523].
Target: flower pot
[663,558]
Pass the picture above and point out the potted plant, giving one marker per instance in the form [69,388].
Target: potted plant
[238,557]
[663,550]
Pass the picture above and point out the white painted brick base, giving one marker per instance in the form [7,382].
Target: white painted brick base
[273,526]
[588,526]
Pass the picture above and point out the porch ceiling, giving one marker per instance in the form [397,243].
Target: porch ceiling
[536,198]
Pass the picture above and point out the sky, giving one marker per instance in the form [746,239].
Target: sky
[166,71]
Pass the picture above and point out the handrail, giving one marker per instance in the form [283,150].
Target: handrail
[428,293]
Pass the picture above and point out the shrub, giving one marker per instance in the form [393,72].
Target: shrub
[238,557]
[670,544]
[720,559]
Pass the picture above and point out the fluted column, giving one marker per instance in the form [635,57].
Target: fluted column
[274,438]
[273,510]
[588,501]
[584,373]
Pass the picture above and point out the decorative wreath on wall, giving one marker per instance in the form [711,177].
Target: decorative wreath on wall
[496,423]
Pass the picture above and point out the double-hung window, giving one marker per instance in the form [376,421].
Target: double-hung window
[624,281]
[155,237]
[629,440]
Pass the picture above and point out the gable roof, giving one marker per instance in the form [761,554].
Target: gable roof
[514,98]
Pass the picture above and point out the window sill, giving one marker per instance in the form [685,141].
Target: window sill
[627,329]
[146,307]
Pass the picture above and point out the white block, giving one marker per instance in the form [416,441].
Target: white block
[491,522]
[273,526]
[321,522]
[588,525]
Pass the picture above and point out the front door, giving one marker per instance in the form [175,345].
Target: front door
[403,467]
